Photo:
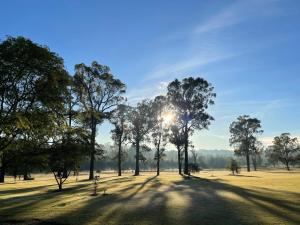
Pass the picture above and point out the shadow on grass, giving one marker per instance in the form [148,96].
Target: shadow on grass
[185,201]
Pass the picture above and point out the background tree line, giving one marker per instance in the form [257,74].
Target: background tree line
[49,119]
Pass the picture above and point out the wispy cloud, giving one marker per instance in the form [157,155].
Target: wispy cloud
[237,13]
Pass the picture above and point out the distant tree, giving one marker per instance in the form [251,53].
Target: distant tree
[159,135]
[243,133]
[119,119]
[285,149]
[191,98]
[99,93]
[30,75]
[141,122]
[233,166]
[177,139]
[271,158]
[256,149]
[194,155]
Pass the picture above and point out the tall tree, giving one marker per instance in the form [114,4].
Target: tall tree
[190,98]
[243,134]
[141,122]
[286,149]
[119,119]
[160,132]
[177,139]
[256,149]
[27,72]
[99,93]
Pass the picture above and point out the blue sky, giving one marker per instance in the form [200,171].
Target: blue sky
[249,50]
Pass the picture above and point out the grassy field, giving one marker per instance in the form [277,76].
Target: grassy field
[211,197]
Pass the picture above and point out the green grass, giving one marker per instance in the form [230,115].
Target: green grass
[211,197]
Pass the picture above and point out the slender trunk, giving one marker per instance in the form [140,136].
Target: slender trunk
[186,144]
[25,175]
[254,163]
[119,159]
[179,160]
[92,160]
[137,158]
[287,165]
[2,173]
[248,160]
[157,172]
[60,185]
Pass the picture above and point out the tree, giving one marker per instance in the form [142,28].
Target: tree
[119,119]
[66,155]
[285,149]
[233,166]
[29,77]
[141,122]
[177,139]
[191,98]
[256,149]
[243,133]
[162,118]
[99,93]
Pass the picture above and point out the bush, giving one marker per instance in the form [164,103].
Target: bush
[233,166]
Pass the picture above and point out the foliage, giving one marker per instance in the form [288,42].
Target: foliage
[99,93]
[190,99]
[284,149]
[243,135]
[233,166]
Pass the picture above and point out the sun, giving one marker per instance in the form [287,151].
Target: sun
[168,118]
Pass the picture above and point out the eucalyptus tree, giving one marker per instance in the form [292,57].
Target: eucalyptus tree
[285,149]
[141,122]
[119,119]
[99,93]
[243,133]
[30,76]
[160,131]
[256,149]
[191,98]
[177,139]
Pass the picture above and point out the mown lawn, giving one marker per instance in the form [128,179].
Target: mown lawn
[211,197]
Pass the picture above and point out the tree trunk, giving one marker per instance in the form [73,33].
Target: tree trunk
[287,165]
[25,174]
[137,159]
[157,172]
[179,160]
[2,173]
[186,159]
[254,162]
[92,160]
[119,159]
[60,186]
[248,161]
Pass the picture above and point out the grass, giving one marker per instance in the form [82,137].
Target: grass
[210,197]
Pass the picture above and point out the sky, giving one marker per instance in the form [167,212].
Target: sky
[249,50]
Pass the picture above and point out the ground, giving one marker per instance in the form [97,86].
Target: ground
[210,197]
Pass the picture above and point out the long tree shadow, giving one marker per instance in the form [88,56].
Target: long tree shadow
[151,201]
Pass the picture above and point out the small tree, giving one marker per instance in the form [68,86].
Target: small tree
[119,119]
[286,149]
[159,135]
[140,122]
[243,134]
[177,139]
[233,166]
[256,149]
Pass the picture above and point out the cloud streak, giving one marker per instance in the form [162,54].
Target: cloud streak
[237,13]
